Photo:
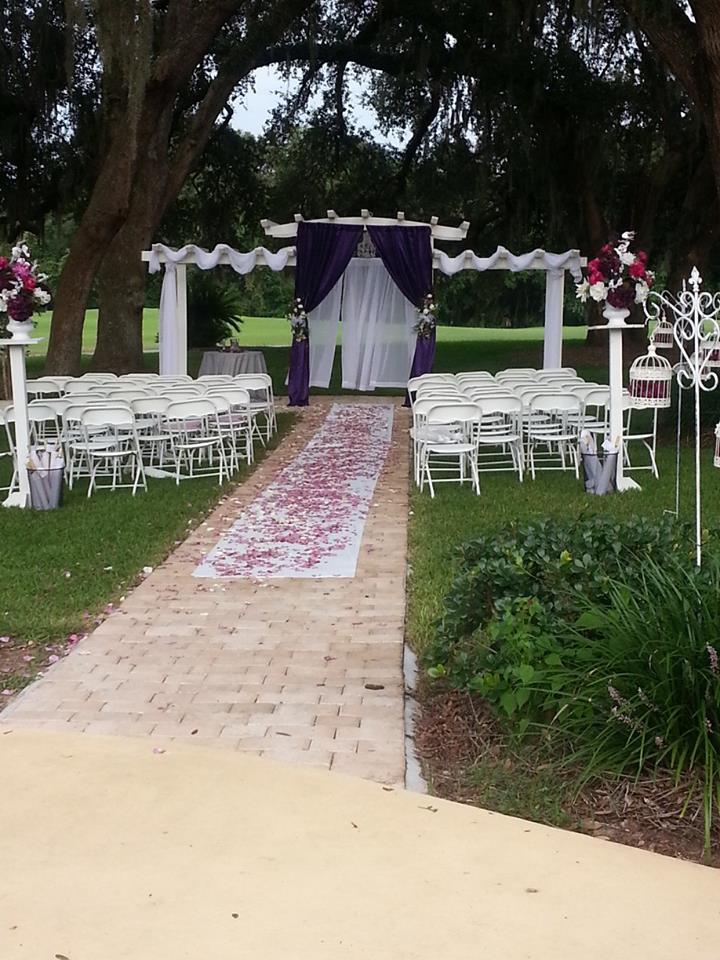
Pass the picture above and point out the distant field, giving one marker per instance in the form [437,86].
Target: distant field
[274,332]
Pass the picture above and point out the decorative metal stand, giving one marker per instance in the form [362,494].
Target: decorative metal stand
[696,332]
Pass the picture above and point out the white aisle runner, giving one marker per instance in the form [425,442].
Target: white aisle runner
[309,521]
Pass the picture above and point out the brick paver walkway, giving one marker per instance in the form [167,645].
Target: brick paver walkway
[304,670]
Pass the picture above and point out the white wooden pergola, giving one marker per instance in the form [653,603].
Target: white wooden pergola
[173,349]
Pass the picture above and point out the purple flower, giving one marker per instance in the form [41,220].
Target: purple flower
[713,655]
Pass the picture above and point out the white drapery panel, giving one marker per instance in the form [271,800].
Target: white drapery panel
[207,259]
[323,324]
[468,260]
[172,322]
[168,331]
[378,328]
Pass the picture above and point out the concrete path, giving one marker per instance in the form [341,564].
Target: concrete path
[110,851]
[308,671]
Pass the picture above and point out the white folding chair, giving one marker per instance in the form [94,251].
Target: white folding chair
[110,445]
[197,440]
[44,387]
[236,422]
[262,401]
[554,422]
[85,388]
[44,422]
[421,433]
[73,434]
[7,417]
[648,438]
[500,442]
[459,443]
[153,439]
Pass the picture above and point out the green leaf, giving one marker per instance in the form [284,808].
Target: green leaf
[525,672]
[590,620]
[508,702]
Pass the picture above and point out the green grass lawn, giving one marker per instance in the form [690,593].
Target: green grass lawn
[275,332]
[60,566]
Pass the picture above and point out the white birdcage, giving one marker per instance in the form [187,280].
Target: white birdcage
[662,336]
[651,380]
[716,459]
[710,355]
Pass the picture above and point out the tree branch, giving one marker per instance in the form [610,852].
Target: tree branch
[674,37]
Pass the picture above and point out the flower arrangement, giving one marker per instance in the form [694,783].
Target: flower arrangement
[230,346]
[426,322]
[617,275]
[23,290]
[298,321]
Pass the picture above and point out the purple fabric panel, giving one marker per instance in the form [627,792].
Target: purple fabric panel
[407,255]
[423,359]
[323,252]
[299,374]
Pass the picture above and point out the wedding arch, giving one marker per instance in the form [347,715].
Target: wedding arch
[371,272]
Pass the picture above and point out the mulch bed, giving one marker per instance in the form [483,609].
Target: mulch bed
[455,732]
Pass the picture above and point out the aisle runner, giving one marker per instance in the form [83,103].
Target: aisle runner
[309,522]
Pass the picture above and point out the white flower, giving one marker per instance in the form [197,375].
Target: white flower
[629,236]
[627,258]
[598,291]
[582,290]
[641,291]
[3,305]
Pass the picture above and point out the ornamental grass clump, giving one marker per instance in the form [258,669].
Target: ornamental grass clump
[643,688]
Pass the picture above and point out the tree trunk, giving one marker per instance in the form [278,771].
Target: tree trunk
[104,214]
[119,346]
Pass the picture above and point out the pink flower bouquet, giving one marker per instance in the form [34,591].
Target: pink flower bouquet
[23,290]
[617,275]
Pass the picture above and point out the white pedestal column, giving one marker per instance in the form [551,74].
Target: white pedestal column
[16,349]
[615,327]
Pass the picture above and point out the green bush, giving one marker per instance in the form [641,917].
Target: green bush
[554,562]
[600,637]
[214,310]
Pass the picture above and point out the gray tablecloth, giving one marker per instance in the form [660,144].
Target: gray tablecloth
[249,361]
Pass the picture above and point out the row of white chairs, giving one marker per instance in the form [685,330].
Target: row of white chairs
[107,437]
[530,422]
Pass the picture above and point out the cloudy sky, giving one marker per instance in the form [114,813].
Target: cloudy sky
[253,112]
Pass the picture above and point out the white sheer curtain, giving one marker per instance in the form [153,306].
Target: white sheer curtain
[323,324]
[378,328]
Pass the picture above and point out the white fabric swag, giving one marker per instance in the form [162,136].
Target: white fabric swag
[502,258]
[172,340]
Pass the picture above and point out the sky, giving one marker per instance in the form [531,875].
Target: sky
[252,113]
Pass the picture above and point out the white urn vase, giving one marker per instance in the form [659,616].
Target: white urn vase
[21,330]
[615,316]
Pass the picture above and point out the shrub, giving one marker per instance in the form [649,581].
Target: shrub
[600,637]
[554,562]
[213,310]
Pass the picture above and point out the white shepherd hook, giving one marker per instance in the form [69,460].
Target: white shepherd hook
[696,332]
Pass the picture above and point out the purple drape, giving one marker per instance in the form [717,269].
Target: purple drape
[407,255]
[323,251]
[299,373]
